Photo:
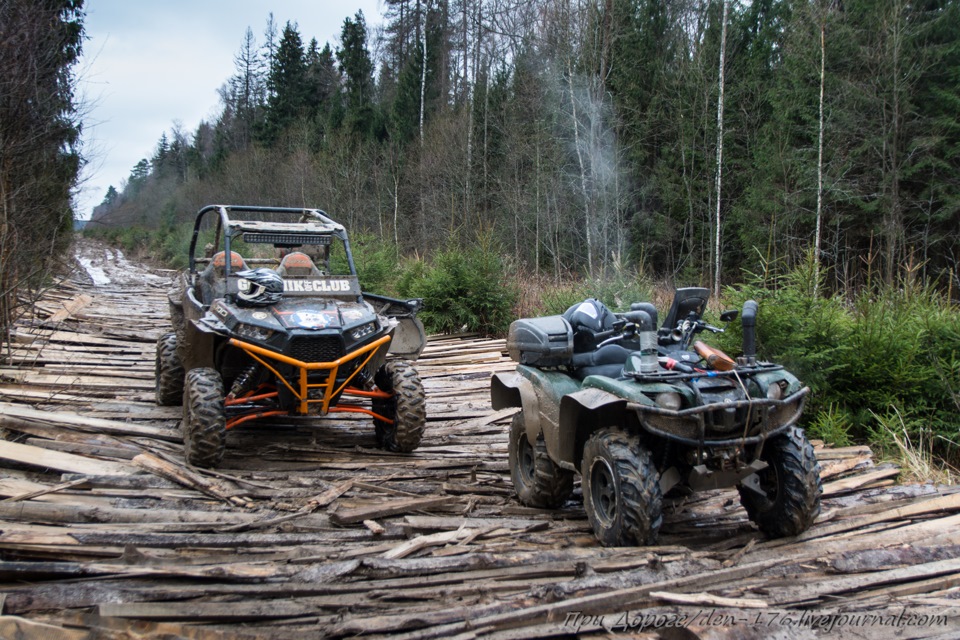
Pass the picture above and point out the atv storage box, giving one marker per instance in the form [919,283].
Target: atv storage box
[541,342]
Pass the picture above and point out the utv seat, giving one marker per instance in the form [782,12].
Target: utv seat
[213,281]
[297,265]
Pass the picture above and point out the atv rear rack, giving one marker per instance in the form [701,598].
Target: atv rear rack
[303,387]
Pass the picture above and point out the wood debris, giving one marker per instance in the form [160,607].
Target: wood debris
[311,531]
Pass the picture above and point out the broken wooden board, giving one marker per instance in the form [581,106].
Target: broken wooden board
[309,530]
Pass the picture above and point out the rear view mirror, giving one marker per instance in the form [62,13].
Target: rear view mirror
[729,315]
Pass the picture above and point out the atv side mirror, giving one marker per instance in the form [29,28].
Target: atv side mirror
[729,316]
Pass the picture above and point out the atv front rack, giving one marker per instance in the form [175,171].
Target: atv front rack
[302,388]
[689,426]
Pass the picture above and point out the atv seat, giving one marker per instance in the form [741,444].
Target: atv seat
[297,265]
[607,361]
[213,282]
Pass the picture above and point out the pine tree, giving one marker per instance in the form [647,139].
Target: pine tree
[357,69]
[287,83]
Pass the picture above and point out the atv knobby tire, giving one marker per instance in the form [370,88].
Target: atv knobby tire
[407,408]
[169,372]
[621,489]
[204,419]
[791,488]
[537,480]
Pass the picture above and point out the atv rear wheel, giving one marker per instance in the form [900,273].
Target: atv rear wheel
[785,500]
[621,489]
[407,408]
[204,420]
[169,372]
[537,480]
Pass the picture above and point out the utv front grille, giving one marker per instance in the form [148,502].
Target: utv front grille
[319,349]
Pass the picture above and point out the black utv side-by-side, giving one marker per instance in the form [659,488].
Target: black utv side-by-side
[284,331]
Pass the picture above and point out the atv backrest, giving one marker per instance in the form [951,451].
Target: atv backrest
[297,265]
[212,283]
[684,301]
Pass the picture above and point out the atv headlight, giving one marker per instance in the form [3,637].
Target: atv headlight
[363,330]
[774,391]
[251,332]
[669,400]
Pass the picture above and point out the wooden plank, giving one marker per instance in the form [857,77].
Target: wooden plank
[74,420]
[37,457]
[383,510]
[70,308]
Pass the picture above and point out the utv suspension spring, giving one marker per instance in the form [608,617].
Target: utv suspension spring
[244,381]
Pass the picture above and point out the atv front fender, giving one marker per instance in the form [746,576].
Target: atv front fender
[513,390]
[581,414]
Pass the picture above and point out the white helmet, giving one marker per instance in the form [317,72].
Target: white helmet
[259,287]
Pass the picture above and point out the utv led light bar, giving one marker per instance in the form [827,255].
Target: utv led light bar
[286,238]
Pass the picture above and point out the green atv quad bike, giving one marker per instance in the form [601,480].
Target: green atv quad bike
[639,411]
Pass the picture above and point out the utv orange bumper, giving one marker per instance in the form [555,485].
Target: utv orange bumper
[302,387]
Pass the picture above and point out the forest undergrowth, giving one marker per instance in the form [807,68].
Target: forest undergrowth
[883,363]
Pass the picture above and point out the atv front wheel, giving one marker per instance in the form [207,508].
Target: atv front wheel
[537,480]
[169,372]
[204,420]
[621,489]
[785,498]
[407,408]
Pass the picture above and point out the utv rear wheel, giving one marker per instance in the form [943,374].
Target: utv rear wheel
[407,408]
[621,489]
[169,372]
[204,420]
[537,480]
[785,500]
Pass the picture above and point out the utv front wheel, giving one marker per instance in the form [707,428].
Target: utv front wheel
[784,499]
[407,408]
[169,372]
[621,489]
[204,421]
[537,480]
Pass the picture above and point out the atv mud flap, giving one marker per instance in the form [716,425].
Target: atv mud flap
[689,426]
[301,387]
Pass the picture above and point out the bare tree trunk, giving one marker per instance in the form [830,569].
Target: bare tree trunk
[583,171]
[723,49]
[816,239]
[423,70]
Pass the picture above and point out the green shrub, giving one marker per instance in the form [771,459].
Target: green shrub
[462,290]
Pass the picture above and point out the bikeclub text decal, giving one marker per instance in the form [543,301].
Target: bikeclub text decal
[326,285]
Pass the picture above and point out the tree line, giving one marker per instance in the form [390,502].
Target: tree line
[40,156]
[585,135]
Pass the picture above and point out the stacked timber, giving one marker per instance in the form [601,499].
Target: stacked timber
[308,530]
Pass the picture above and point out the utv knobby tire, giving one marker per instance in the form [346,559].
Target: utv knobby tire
[621,489]
[537,480]
[407,408]
[791,487]
[169,372]
[204,420]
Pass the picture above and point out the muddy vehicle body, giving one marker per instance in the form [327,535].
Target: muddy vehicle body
[286,335]
[639,411]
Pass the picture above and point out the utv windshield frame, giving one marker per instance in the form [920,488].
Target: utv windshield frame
[298,231]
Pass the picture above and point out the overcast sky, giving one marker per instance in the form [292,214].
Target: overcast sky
[147,64]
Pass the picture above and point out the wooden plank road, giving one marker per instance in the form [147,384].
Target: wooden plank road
[307,530]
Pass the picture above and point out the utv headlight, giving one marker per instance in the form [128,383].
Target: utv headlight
[669,400]
[251,332]
[363,331]
[774,391]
